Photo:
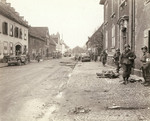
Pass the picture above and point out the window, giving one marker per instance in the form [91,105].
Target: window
[113,36]
[1,47]
[106,40]
[11,48]
[11,30]
[20,33]
[25,35]
[16,32]
[5,48]
[25,49]
[106,12]
[5,28]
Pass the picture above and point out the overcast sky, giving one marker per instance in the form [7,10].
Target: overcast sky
[75,20]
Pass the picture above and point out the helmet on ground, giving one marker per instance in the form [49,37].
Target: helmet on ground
[117,49]
[144,47]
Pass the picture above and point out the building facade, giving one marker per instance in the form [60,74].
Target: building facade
[59,42]
[131,26]
[13,31]
[142,29]
[95,42]
[39,42]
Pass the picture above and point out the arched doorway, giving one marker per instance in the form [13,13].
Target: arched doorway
[18,49]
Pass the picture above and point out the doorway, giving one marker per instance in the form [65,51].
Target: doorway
[149,41]
[18,49]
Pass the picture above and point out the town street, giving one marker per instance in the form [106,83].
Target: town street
[55,90]
[25,91]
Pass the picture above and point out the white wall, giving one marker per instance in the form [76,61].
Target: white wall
[9,39]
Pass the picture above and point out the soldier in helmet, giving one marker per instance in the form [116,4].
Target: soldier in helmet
[127,62]
[116,59]
[146,66]
[103,57]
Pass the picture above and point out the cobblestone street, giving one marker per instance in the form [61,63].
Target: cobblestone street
[85,90]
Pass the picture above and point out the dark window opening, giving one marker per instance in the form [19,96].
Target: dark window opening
[16,32]
[5,28]
[149,41]
[20,36]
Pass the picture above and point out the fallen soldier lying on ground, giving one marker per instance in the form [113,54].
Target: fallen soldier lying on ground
[108,74]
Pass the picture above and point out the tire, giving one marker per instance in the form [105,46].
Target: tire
[26,62]
[19,62]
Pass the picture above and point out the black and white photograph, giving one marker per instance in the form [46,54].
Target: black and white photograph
[74,60]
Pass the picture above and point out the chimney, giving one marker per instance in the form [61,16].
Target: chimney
[8,4]
[17,13]
[3,1]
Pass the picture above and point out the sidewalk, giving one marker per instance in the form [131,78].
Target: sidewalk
[89,98]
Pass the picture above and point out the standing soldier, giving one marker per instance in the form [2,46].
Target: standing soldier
[116,59]
[127,62]
[103,57]
[146,66]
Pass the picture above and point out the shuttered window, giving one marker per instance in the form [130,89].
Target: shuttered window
[11,48]
[20,33]
[5,45]
[11,30]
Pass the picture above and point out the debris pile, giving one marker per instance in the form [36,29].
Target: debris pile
[108,74]
[80,109]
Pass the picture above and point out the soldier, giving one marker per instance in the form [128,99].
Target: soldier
[103,57]
[116,59]
[146,66]
[127,62]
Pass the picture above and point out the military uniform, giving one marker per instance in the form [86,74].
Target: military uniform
[116,59]
[103,57]
[146,67]
[127,62]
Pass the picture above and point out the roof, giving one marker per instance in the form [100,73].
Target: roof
[10,13]
[39,32]
[102,2]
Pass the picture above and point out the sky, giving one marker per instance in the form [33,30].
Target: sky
[75,20]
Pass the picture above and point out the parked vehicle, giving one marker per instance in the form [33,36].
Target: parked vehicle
[17,60]
[85,57]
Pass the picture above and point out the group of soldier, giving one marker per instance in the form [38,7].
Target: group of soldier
[125,60]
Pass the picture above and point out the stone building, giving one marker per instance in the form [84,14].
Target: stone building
[13,31]
[39,42]
[131,26]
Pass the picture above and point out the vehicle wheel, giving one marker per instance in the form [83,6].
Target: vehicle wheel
[19,62]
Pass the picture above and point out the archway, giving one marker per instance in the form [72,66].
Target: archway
[18,49]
